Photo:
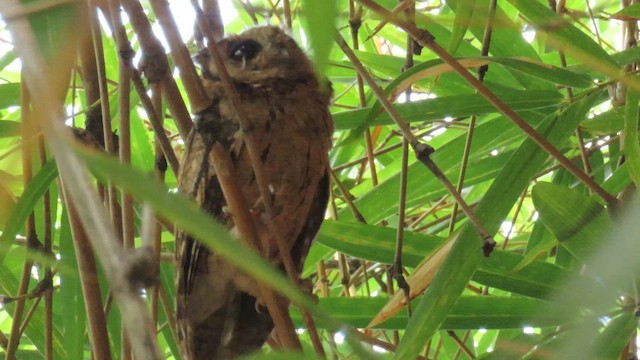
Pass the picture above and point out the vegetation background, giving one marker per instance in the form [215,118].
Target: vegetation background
[540,139]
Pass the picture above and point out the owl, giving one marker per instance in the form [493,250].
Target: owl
[219,311]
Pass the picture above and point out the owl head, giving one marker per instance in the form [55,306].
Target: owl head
[260,55]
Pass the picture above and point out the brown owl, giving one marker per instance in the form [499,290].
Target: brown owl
[219,310]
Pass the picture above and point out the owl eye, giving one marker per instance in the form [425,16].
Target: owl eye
[245,50]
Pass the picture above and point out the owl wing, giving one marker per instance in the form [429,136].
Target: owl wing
[206,296]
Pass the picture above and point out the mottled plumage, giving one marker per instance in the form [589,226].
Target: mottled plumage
[219,312]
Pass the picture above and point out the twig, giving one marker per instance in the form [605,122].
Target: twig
[404,127]
[211,9]
[355,21]
[107,134]
[403,5]
[287,14]
[345,274]
[126,57]
[402,202]
[124,142]
[167,306]
[486,44]
[347,197]
[156,123]
[180,54]
[515,218]
[48,300]
[160,170]
[96,319]
[461,344]
[463,347]
[27,129]
[323,284]
[383,344]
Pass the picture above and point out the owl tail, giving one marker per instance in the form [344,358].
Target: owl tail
[240,327]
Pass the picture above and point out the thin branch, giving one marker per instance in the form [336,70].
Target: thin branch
[383,344]
[160,170]
[461,345]
[486,44]
[98,333]
[124,143]
[211,9]
[402,202]
[107,133]
[48,275]
[287,14]
[514,219]
[156,122]
[464,348]
[28,128]
[355,21]
[180,54]
[347,197]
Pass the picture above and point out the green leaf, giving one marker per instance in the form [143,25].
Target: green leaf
[610,343]
[53,27]
[7,59]
[9,95]
[447,106]
[578,221]
[630,135]
[436,68]
[548,73]
[464,15]
[375,243]
[608,122]
[38,185]
[320,18]
[469,312]
[630,11]
[73,314]
[566,36]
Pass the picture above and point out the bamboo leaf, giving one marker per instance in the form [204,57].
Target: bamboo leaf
[630,135]
[580,223]
[9,95]
[38,185]
[469,312]
[320,17]
[464,14]
[565,35]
